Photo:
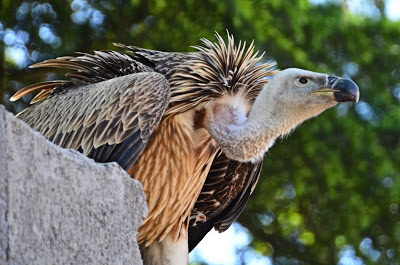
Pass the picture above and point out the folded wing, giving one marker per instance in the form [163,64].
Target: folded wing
[110,120]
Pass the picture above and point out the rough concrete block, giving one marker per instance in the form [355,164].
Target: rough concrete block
[60,207]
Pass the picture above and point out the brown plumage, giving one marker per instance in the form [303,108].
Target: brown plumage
[99,120]
[192,127]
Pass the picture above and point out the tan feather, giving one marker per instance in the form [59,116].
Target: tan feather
[42,95]
[48,85]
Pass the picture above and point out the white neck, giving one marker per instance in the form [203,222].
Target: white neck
[269,118]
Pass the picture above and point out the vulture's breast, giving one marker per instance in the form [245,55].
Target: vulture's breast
[173,168]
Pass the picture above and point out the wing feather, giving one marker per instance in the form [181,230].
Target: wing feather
[225,193]
[89,69]
[107,121]
[235,208]
[45,86]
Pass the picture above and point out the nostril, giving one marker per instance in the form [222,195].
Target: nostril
[332,80]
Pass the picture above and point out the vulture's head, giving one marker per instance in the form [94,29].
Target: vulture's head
[306,88]
[294,95]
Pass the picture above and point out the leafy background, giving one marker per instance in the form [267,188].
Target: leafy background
[329,193]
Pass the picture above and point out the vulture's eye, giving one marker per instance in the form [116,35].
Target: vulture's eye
[303,80]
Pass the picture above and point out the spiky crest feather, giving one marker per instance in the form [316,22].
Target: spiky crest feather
[218,69]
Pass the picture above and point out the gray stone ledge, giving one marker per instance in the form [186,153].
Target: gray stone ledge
[60,207]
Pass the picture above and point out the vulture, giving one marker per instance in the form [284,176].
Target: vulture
[192,127]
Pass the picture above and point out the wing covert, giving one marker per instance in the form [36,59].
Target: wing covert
[107,121]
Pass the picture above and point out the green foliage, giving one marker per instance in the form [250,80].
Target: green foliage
[335,182]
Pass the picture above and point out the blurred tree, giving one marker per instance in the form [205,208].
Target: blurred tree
[331,191]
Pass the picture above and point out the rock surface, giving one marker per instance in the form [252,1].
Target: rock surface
[60,207]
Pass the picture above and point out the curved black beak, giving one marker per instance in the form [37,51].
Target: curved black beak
[344,89]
